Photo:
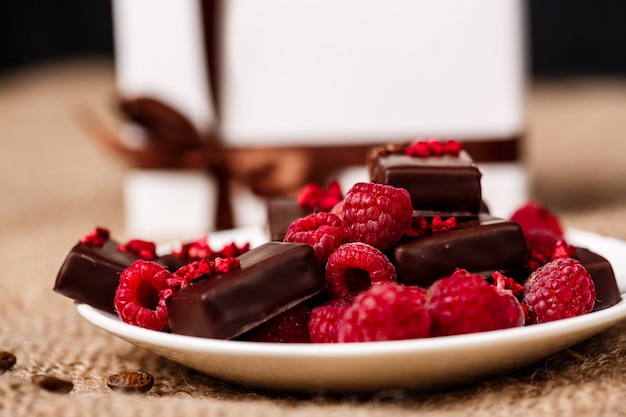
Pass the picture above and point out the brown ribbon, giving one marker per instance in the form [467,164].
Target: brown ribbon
[172,142]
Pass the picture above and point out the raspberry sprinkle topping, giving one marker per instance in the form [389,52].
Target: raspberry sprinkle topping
[144,249]
[96,237]
[376,214]
[560,289]
[434,147]
[141,294]
[355,267]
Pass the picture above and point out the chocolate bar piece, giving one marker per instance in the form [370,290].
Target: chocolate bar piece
[444,185]
[607,291]
[272,278]
[90,274]
[281,212]
[482,245]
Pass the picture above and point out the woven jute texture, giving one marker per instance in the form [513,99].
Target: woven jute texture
[56,183]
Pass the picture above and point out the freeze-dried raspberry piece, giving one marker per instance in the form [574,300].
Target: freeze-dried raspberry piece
[200,249]
[376,214]
[96,237]
[533,216]
[388,311]
[226,264]
[544,246]
[437,224]
[466,303]
[560,289]
[418,226]
[191,272]
[140,296]
[146,250]
[419,148]
[452,147]
[434,147]
[355,267]
[231,250]
[194,250]
[324,320]
[290,326]
[323,231]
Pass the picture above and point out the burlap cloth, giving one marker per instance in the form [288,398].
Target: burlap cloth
[55,184]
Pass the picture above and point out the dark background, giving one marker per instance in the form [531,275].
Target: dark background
[566,37]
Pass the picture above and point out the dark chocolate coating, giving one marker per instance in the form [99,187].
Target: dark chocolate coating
[443,185]
[90,274]
[280,213]
[272,278]
[482,245]
[607,291]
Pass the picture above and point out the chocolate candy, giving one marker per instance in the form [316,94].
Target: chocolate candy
[281,212]
[607,291]
[272,278]
[481,245]
[90,274]
[443,185]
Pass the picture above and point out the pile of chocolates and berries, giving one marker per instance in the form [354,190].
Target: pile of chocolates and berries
[412,254]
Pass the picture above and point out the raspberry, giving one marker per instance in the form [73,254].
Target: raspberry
[533,216]
[323,231]
[314,196]
[324,320]
[290,326]
[140,296]
[376,214]
[355,267]
[466,303]
[388,311]
[561,288]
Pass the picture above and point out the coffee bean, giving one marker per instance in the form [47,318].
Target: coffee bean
[131,381]
[7,360]
[53,384]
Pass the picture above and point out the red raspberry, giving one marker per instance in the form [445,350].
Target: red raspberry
[355,267]
[376,214]
[140,296]
[561,288]
[314,196]
[388,311]
[533,216]
[290,326]
[323,231]
[324,320]
[466,303]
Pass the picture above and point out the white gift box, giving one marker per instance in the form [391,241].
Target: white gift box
[285,73]
[319,71]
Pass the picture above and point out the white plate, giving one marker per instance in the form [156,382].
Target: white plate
[361,367]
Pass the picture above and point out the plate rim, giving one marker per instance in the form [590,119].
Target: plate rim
[112,324]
